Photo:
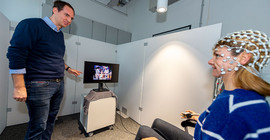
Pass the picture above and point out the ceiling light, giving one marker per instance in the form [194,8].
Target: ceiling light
[162,6]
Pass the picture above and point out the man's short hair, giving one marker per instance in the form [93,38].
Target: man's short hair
[60,5]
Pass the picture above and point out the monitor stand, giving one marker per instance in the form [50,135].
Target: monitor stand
[100,88]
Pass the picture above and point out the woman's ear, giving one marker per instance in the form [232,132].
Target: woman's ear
[245,58]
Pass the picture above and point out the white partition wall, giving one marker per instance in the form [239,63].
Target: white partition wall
[67,106]
[17,111]
[130,56]
[166,75]
[4,41]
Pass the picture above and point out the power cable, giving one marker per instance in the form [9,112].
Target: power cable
[127,131]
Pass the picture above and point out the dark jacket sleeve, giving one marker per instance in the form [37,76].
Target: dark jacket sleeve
[21,44]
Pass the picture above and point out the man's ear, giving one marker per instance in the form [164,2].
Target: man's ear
[54,10]
[245,58]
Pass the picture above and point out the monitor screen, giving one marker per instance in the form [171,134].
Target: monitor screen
[98,72]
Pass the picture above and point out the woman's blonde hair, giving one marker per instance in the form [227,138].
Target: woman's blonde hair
[249,75]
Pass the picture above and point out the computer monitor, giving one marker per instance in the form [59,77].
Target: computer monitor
[100,72]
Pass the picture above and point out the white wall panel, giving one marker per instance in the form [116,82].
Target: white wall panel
[4,41]
[18,113]
[130,56]
[71,60]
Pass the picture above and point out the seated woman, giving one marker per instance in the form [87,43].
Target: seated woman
[240,111]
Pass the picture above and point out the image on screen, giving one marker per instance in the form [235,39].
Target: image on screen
[102,72]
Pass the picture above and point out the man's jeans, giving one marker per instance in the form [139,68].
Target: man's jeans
[43,102]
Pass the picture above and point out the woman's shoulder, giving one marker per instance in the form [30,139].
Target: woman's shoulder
[242,95]
[239,99]
[247,102]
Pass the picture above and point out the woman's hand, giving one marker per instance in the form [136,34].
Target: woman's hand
[189,114]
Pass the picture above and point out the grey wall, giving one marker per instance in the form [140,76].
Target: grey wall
[233,14]
[238,15]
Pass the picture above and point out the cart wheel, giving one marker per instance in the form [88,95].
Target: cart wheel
[111,127]
[90,134]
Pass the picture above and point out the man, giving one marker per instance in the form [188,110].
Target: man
[37,67]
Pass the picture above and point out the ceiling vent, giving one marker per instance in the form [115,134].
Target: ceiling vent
[153,4]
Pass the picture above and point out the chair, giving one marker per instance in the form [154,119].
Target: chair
[188,123]
[162,130]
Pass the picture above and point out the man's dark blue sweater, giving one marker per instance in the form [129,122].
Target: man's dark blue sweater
[38,48]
